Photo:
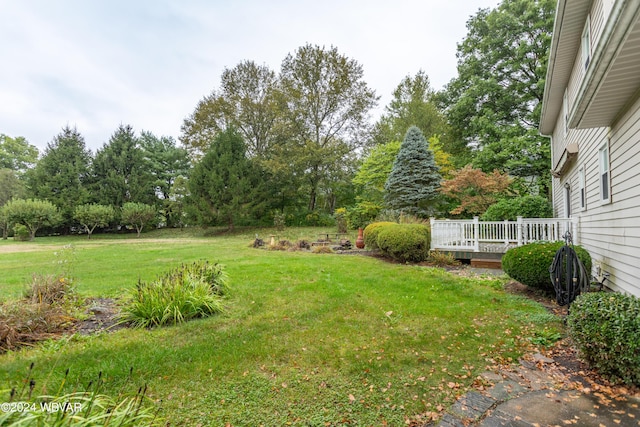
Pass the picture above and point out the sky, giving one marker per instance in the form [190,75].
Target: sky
[96,64]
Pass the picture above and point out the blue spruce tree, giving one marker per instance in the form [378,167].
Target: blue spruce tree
[412,185]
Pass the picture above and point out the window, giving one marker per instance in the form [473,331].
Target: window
[586,43]
[582,189]
[605,175]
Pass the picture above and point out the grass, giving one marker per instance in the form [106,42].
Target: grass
[306,339]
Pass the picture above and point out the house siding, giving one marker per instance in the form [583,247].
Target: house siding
[611,231]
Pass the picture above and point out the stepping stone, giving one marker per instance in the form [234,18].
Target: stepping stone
[472,405]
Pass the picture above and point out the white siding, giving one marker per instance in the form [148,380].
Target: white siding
[611,232]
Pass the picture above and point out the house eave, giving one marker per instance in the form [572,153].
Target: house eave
[612,80]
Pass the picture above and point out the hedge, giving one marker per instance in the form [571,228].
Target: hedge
[371,233]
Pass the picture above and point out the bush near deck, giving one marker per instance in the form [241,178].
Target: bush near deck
[529,264]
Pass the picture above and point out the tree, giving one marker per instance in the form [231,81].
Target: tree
[32,213]
[247,100]
[165,161]
[474,190]
[374,172]
[17,154]
[10,186]
[137,215]
[494,104]
[62,174]
[120,173]
[412,105]
[327,104]
[92,215]
[225,184]
[413,184]
[4,223]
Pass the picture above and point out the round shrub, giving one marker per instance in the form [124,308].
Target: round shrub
[525,206]
[606,329]
[405,242]
[529,264]
[371,233]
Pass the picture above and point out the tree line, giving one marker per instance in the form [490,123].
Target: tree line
[300,143]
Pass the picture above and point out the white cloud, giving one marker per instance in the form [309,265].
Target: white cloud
[97,64]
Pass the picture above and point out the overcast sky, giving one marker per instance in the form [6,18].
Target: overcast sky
[96,64]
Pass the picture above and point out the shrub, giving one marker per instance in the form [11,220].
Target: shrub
[21,233]
[49,289]
[525,206]
[371,233]
[442,259]
[322,249]
[279,220]
[529,264]
[187,292]
[362,214]
[606,329]
[340,215]
[405,242]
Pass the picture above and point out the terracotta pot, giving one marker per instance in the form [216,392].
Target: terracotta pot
[360,239]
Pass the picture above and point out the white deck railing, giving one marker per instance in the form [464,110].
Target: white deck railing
[470,234]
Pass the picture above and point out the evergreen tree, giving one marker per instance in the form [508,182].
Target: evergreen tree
[414,181]
[120,172]
[224,184]
[61,175]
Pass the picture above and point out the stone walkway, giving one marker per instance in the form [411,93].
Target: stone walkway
[534,394]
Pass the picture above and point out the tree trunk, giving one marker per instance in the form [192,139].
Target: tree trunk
[312,200]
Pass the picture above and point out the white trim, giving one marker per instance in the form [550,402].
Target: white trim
[582,188]
[604,173]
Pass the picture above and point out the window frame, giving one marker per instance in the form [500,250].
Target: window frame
[604,173]
[582,188]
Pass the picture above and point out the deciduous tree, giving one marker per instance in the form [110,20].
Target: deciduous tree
[32,213]
[327,105]
[475,190]
[17,154]
[413,184]
[494,103]
[92,215]
[137,215]
[10,186]
[247,100]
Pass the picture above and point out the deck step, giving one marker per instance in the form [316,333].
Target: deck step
[486,263]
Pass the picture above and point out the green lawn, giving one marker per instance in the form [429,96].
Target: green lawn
[307,339]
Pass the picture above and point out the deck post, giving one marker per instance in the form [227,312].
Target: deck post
[476,234]
[519,230]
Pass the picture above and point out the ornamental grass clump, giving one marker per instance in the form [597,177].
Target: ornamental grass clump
[606,329]
[188,292]
[25,407]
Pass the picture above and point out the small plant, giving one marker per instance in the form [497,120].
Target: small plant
[303,244]
[321,249]
[606,329]
[86,408]
[529,264]
[441,259]
[49,289]
[187,292]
